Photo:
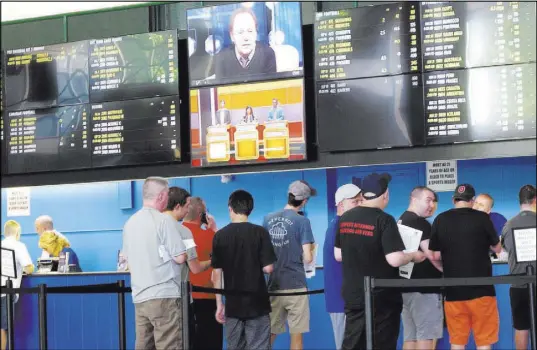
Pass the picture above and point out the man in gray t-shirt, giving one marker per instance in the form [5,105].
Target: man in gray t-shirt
[520,306]
[154,252]
[292,240]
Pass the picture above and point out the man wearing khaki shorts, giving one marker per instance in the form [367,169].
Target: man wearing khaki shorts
[292,240]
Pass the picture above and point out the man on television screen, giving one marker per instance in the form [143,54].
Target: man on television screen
[246,56]
[276,112]
[223,115]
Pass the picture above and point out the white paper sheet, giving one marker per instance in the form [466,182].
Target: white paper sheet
[310,268]
[411,238]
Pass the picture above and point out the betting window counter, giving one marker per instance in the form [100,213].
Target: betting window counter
[89,321]
[75,321]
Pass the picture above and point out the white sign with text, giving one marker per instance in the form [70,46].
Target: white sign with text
[442,175]
[525,244]
[18,201]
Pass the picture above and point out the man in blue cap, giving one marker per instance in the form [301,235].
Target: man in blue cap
[369,244]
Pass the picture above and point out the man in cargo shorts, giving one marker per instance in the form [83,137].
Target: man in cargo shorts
[154,250]
[292,240]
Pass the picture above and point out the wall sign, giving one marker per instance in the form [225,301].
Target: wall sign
[442,175]
[18,201]
[525,240]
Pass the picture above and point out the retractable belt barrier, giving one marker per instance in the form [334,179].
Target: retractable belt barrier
[42,291]
[114,288]
[370,284]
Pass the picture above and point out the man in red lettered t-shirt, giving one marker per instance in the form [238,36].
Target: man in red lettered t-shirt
[208,332]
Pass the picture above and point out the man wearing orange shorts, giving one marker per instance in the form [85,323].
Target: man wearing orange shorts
[461,238]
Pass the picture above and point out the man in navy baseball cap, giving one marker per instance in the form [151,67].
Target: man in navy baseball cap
[369,244]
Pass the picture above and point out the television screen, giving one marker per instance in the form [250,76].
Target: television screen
[48,139]
[367,41]
[248,123]
[135,132]
[134,66]
[46,76]
[244,42]
[480,104]
[476,34]
[370,113]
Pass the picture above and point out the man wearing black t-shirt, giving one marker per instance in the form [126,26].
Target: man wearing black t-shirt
[243,252]
[462,237]
[423,317]
[368,244]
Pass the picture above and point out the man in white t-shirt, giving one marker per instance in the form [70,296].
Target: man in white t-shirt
[12,232]
[44,223]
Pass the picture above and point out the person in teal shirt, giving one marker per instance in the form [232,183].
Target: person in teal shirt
[276,112]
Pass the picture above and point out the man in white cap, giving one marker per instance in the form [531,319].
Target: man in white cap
[292,239]
[347,197]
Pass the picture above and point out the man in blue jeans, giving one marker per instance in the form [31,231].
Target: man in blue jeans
[347,197]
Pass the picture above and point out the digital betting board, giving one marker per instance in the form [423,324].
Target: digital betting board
[135,132]
[480,104]
[133,66]
[367,41]
[46,76]
[370,113]
[48,139]
[3,157]
[475,34]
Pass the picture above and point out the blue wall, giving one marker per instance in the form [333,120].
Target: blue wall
[91,215]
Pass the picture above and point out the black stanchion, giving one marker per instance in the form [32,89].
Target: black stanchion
[185,303]
[531,290]
[121,316]
[368,312]
[42,308]
[10,317]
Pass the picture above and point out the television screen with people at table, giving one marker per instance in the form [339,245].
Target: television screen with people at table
[248,123]
[244,42]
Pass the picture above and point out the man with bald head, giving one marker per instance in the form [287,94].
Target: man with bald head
[154,250]
[484,202]
[423,316]
[246,56]
[42,224]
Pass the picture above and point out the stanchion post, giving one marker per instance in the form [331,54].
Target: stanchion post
[368,312]
[185,300]
[10,298]
[42,308]
[531,289]
[121,316]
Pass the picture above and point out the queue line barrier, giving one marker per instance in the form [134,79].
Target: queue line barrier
[110,288]
[370,284]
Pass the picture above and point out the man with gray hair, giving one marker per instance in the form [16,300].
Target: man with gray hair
[154,251]
[44,223]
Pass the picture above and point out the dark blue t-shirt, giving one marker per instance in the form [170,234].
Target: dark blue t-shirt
[73,259]
[288,232]
[333,271]
[499,221]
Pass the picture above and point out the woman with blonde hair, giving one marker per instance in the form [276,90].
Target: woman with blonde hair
[54,245]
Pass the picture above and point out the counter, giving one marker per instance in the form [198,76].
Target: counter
[90,321]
